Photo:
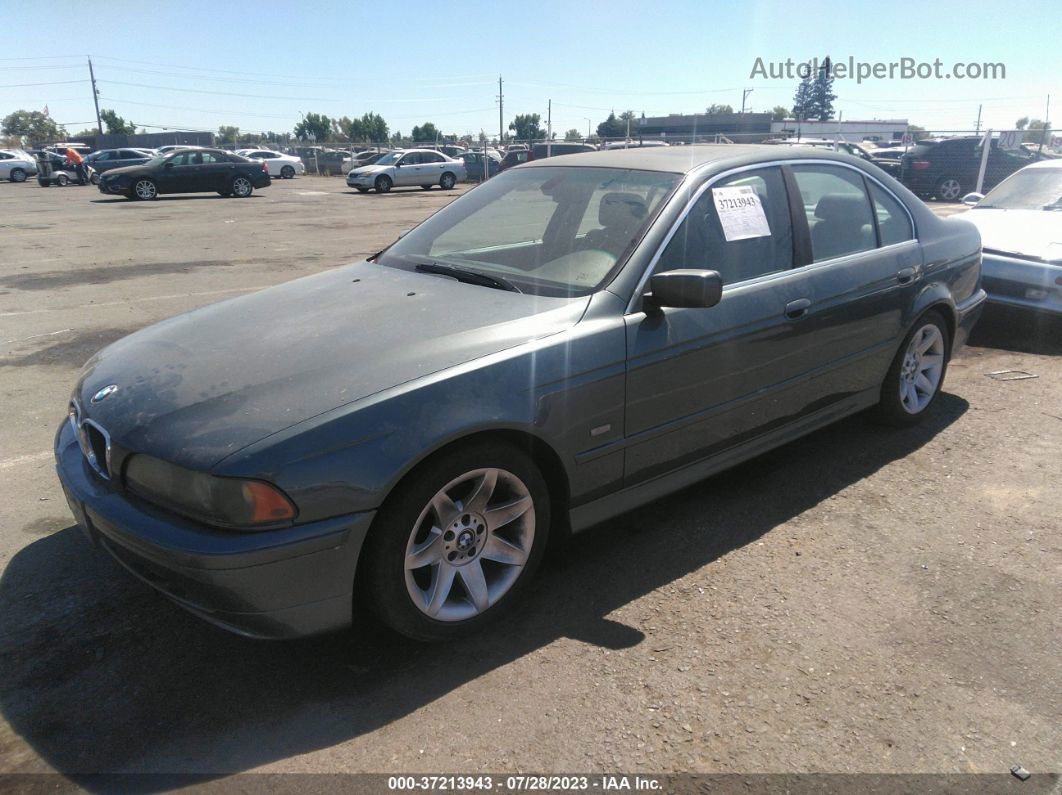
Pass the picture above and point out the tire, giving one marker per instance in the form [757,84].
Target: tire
[95,179]
[241,187]
[425,187]
[144,189]
[949,189]
[363,190]
[447,181]
[442,494]
[383,184]
[913,382]
[287,172]
[62,180]
[17,175]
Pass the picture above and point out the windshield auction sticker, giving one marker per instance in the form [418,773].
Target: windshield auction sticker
[740,213]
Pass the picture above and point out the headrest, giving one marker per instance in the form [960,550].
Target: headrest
[619,209]
[842,207]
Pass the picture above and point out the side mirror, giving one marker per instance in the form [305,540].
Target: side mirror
[970,199]
[684,288]
[398,164]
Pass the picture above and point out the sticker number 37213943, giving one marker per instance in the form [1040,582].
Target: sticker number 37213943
[740,213]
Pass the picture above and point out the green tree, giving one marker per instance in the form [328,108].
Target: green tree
[115,124]
[918,132]
[32,127]
[1035,131]
[612,127]
[802,97]
[1022,123]
[374,128]
[713,109]
[228,134]
[779,113]
[573,135]
[425,132]
[527,127]
[821,98]
[313,124]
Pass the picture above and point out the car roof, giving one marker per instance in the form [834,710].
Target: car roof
[683,159]
[1054,163]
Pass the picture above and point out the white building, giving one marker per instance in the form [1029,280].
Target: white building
[857,130]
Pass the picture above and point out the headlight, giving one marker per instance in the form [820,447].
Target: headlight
[226,502]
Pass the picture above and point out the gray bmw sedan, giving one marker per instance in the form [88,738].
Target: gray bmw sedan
[571,339]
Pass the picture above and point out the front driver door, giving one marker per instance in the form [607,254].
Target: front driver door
[408,172]
[702,380]
[177,174]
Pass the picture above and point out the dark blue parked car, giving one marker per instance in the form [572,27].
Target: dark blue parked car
[574,338]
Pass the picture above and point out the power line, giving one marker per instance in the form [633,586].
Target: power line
[219,93]
[54,83]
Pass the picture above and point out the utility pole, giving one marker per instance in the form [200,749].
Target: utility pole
[744,96]
[977,127]
[1047,123]
[501,113]
[549,128]
[95,96]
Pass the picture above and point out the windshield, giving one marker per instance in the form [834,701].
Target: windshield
[389,158]
[549,230]
[1029,189]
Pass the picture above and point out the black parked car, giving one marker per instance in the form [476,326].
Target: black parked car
[569,340]
[187,171]
[109,159]
[474,165]
[540,151]
[947,168]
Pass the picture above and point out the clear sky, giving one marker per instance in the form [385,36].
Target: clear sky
[258,65]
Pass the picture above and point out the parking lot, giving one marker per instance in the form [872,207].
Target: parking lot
[862,600]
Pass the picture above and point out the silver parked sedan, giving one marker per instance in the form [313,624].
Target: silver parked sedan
[1020,221]
[16,165]
[408,168]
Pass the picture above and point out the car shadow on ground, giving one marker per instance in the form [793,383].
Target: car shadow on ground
[397,192]
[167,198]
[1021,332]
[99,675]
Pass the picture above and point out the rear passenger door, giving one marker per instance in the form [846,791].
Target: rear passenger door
[702,380]
[433,165]
[865,267]
[215,171]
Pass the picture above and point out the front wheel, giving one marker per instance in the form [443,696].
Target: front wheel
[241,187]
[287,173]
[383,184]
[145,190]
[448,181]
[95,178]
[916,375]
[62,180]
[455,545]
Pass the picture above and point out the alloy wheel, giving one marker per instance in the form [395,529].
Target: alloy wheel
[950,189]
[18,175]
[145,189]
[241,186]
[922,368]
[469,545]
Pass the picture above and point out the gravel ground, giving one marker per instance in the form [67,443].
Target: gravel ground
[863,600]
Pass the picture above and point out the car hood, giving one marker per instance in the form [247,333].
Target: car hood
[111,173]
[198,387]
[1033,233]
[368,170]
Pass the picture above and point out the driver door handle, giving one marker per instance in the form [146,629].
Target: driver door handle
[905,276]
[795,310]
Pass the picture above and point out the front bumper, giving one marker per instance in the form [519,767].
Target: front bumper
[113,189]
[1023,284]
[361,181]
[286,583]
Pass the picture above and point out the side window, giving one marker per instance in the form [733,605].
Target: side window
[893,224]
[210,157]
[128,154]
[180,160]
[739,252]
[838,210]
[5,156]
[412,159]
[103,156]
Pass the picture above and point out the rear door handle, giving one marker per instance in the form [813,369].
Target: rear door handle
[905,276]
[795,310]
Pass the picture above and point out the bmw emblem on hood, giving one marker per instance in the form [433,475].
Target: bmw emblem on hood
[104,393]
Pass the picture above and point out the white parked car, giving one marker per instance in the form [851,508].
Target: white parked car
[16,165]
[407,168]
[277,164]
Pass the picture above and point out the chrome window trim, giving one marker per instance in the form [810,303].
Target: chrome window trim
[695,174]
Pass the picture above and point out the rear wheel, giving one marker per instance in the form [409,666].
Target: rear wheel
[916,375]
[447,181]
[949,189]
[241,187]
[383,184]
[145,189]
[18,175]
[288,172]
[62,180]
[455,545]
[95,178]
